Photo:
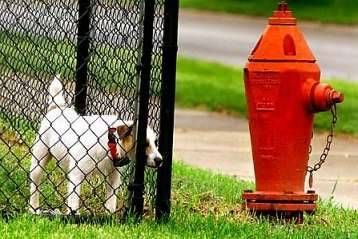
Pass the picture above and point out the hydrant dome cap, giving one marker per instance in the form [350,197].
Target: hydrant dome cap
[282,40]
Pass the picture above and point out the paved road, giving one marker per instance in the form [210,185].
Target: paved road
[223,38]
[229,39]
[109,25]
[222,144]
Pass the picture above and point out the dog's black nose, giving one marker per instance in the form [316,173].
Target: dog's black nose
[158,161]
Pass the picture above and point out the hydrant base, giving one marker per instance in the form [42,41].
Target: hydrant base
[269,203]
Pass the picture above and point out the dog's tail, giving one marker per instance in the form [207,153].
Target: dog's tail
[56,98]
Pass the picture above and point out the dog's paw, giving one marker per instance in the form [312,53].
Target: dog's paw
[57,212]
[34,211]
[52,212]
[71,212]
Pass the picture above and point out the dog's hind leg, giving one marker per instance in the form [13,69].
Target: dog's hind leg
[113,183]
[39,161]
[75,177]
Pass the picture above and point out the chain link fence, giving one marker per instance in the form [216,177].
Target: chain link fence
[116,61]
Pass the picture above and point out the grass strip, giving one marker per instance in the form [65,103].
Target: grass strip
[217,87]
[200,84]
[325,11]
[205,205]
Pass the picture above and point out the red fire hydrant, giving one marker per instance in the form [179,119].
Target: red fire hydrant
[283,93]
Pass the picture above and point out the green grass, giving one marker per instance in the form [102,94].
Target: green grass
[39,56]
[221,88]
[200,84]
[327,11]
[209,85]
[205,205]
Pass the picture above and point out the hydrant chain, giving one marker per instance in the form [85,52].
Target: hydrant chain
[326,150]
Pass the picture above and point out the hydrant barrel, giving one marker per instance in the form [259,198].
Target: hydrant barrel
[283,92]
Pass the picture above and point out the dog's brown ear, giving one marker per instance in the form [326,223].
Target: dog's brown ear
[124,131]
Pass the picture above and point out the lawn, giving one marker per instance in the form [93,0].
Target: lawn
[200,84]
[38,56]
[205,205]
[220,88]
[326,11]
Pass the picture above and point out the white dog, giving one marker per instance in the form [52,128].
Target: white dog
[81,142]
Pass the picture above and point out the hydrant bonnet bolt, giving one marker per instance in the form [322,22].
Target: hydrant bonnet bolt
[283,6]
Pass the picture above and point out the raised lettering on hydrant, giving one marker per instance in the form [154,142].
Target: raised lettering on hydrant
[283,93]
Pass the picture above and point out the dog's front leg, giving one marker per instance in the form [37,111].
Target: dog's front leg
[113,183]
[75,178]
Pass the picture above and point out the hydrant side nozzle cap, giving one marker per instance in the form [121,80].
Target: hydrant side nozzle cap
[323,97]
[337,97]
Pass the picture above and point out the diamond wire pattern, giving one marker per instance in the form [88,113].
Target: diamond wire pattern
[38,40]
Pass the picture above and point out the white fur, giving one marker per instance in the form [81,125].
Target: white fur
[80,142]
[56,98]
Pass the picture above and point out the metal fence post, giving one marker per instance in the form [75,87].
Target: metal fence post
[83,43]
[170,48]
[144,86]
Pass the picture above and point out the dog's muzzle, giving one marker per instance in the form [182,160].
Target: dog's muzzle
[158,162]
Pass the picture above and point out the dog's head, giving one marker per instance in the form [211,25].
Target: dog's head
[153,158]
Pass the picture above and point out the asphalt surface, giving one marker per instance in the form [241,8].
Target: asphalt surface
[119,27]
[224,38]
[222,144]
[229,40]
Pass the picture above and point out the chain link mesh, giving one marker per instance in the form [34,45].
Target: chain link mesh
[38,40]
